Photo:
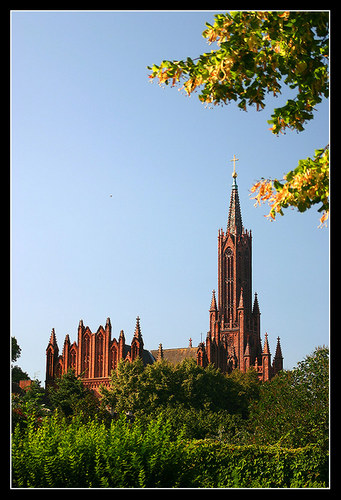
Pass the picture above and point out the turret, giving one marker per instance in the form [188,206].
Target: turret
[52,353]
[159,353]
[255,310]
[81,330]
[121,344]
[277,364]
[108,326]
[255,325]
[247,356]
[266,360]
[137,342]
[213,313]
[66,353]
[241,322]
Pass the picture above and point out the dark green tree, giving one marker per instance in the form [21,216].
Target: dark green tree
[16,349]
[160,385]
[70,397]
[17,373]
[293,408]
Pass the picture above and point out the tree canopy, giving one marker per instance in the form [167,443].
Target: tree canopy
[258,53]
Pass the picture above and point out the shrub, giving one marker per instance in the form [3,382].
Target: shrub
[72,453]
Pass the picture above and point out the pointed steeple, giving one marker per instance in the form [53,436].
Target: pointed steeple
[278,353]
[121,345]
[277,364]
[241,300]
[108,327]
[234,223]
[247,349]
[255,309]
[266,349]
[213,307]
[160,353]
[137,342]
[266,359]
[53,340]
[66,342]
[137,333]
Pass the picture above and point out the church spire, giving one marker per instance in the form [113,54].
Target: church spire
[53,340]
[266,349]
[278,359]
[234,223]
[213,307]
[278,349]
[137,333]
[255,309]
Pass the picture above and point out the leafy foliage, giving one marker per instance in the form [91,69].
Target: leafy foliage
[31,406]
[134,388]
[293,409]
[16,349]
[17,373]
[70,397]
[257,50]
[78,454]
[193,427]
[257,53]
[303,187]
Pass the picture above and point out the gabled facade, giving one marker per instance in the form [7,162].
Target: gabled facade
[94,355]
[233,340]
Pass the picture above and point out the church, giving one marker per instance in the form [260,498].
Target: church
[232,342]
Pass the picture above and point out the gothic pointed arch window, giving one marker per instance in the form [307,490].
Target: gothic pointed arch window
[59,369]
[134,351]
[73,358]
[86,358]
[50,363]
[100,355]
[229,282]
[113,357]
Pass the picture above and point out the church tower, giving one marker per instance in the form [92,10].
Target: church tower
[233,340]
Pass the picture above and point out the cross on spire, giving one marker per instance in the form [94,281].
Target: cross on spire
[234,159]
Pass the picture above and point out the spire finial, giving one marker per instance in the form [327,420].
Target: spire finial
[234,159]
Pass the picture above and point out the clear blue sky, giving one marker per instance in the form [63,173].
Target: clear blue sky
[87,124]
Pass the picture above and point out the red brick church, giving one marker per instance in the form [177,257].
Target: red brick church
[233,340]
[94,356]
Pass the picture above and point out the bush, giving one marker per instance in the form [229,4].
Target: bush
[70,453]
[227,466]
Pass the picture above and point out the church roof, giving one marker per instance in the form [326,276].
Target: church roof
[177,355]
[147,356]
